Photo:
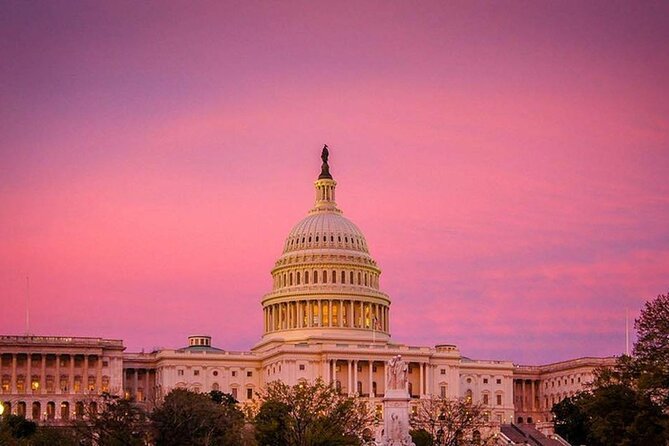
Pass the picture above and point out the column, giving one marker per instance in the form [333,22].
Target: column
[98,375]
[135,383]
[85,378]
[533,405]
[320,313]
[42,378]
[522,391]
[385,378]
[362,315]
[341,313]
[349,378]
[351,316]
[330,313]
[57,377]
[71,377]
[13,382]
[310,314]
[146,384]
[371,379]
[355,376]
[421,365]
[27,383]
[334,372]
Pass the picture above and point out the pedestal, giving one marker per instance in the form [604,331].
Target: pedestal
[396,419]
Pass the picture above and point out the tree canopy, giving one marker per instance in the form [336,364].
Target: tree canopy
[310,414]
[449,422]
[187,418]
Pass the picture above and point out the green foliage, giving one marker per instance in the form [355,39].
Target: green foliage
[186,418]
[421,437]
[651,349]
[16,426]
[222,398]
[310,415]
[449,422]
[571,420]
[119,422]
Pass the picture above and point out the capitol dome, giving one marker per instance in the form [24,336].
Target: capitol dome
[325,283]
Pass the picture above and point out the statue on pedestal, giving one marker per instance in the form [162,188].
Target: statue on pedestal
[396,404]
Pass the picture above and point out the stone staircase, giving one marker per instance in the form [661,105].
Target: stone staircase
[526,434]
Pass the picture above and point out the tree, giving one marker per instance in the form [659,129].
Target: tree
[119,422]
[571,420]
[451,422]
[187,418]
[310,414]
[651,349]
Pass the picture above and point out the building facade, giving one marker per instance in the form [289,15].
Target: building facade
[326,317]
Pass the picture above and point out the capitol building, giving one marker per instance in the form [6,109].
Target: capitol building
[326,316]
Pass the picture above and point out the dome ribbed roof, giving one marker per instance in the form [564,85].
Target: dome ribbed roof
[325,230]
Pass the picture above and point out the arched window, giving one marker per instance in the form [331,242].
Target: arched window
[290,281]
[343,277]
[315,276]
[468,395]
[298,277]
[359,278]
[216,387]
[351,278]
[365,279]
[325,277]
[306,277]
[334,277]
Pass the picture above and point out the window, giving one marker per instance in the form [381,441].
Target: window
[234,373]
[485,399]
[499,381]
[249,373]
[105,363]
[360,368]
[469,380]
[180,372]
[468,395]
[234,392]
[196,373]
[485,380]
[443,371]
[499,400]
[302,367]
[215,373]
[374,369]
[249,394]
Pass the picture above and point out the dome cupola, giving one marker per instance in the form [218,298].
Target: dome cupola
[325,284]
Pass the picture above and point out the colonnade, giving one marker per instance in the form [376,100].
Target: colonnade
[364,377]
[51,373]
[138,384]
[527,398]
[326,313]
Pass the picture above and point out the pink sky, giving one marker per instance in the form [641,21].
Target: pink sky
[507,162]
